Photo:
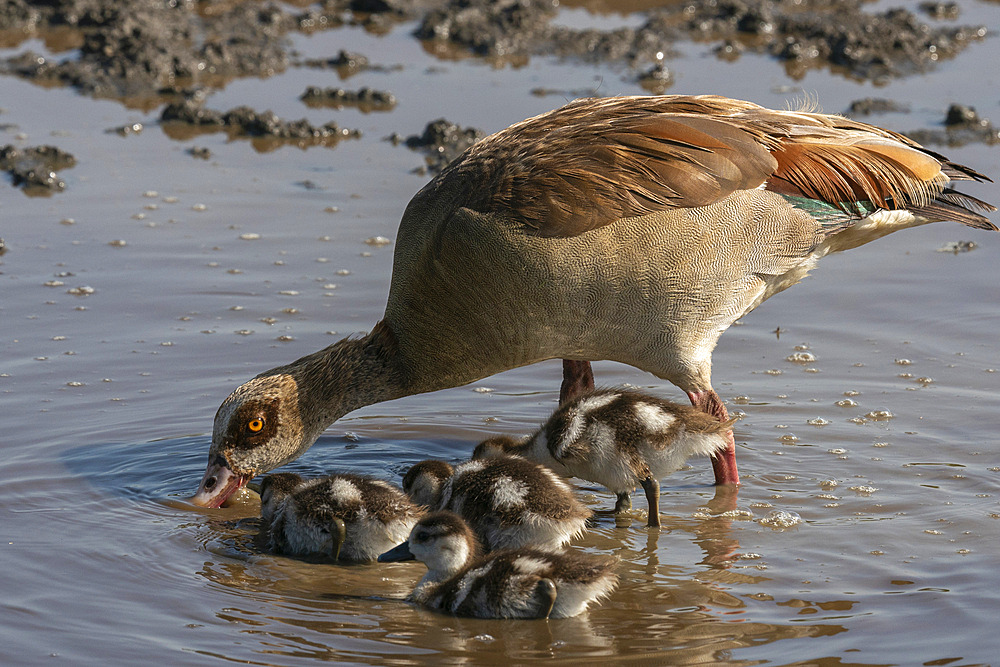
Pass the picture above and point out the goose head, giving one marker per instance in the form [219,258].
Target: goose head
[442,541]
[424,481]
[259,427]
[500,445]
[274,489]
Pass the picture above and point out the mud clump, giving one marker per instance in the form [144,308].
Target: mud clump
[442,141]
[365,100]
[131,48]
[875,105]
[245,122]
[135,49]
[962,125]
[808,33]
[34,168]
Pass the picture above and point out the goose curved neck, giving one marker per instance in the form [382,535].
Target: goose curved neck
[348,375]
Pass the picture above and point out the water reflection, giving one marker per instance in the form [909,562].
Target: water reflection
[664,610]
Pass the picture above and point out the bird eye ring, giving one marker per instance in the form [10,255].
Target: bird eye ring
[255,424]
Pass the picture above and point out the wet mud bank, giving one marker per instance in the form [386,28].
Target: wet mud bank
[150,54]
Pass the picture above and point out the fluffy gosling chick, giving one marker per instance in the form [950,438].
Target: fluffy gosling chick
[347,517]
[510,583]
[509,502]
[618,438]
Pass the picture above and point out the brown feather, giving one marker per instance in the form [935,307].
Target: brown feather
[595,161]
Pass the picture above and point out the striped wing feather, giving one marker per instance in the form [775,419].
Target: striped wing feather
[595,161]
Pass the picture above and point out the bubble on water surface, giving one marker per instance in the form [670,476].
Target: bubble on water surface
[864,490]
[801,357]
[250,236]
[903,362]
[780,519]
[847,403]
[880,415]
[378,241]
[818,421]
[82,290]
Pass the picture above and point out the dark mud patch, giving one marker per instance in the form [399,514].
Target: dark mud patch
[347,64]
[129,49]
[837,34]
[182,120]
[135,50]
[962,125]
[365,100]
[876,105]
[34,169]
[441,141]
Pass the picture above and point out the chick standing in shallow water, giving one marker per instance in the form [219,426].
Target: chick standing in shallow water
[618,438]
[509,502]
[348,517]
[511,583]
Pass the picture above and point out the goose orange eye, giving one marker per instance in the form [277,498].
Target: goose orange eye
[255,425]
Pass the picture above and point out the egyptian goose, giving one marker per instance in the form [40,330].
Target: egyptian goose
[512,583]
[509,502]
[635,229]
[347,517]
[618,438]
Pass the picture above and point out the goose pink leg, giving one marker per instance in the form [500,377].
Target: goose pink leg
[724,462]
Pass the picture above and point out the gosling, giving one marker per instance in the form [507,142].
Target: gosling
[346,517]
[509,502]
[618,438]
[511,583]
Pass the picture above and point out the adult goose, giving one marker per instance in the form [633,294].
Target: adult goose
[635,229]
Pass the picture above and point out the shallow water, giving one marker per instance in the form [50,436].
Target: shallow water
[883,446]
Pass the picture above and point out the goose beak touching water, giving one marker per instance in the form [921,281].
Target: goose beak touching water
[635,229]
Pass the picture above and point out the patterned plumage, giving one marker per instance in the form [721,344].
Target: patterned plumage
[618,438]
[634,229]
[510,583]
[347,517]
[509,502]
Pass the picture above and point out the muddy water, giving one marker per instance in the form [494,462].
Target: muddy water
[866,527]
